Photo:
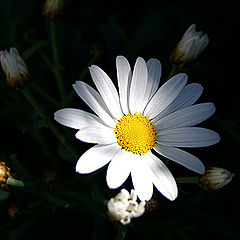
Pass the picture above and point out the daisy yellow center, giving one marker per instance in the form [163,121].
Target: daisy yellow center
[135,133]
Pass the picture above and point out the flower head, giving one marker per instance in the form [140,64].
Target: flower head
[190,46]
[52,8]
[124,206]
[14,67]
[4,174]
[141,118]
[215,178]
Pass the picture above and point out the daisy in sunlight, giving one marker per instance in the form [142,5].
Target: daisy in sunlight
[131,125]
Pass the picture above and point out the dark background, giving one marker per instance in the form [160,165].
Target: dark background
[147,29]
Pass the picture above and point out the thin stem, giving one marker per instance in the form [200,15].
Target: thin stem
[15,182]
[121,233]
[48,121]
[56,70]
[19,183]
[188,179]
[174,70]
[44,94]
[81,77]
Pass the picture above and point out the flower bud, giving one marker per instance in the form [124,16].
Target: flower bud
[124,206]
[4,174]
[52,8]
[15,68]
[215,178]
[190,46]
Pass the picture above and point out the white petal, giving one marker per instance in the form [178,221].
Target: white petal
[179,156]
[188,137]
[107,90]
[141,178]
[119,169]
[187,97]
[93,99]
[190,31]
[97,133]
[186,117]
[162,177]
[76,118]
[96,157]
[165,95]
[138,86]
[154,74]
[124,76]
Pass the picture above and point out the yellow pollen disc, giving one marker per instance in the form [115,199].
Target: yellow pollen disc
[135,133]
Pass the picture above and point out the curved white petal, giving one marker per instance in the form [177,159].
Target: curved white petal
[119,169]
[188,137]
[138,86]
[97,133]
[154,75]
[76,118]
[165,95]
[179,156]
[186,117]
[107,90]
[124,76]
[96,157]
[141,178]
[162,177]
[93,99]
[187,97]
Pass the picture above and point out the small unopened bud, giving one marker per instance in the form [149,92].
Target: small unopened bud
[13,211]
[124,206]
[152,205]
[4,174]
[190,46]
[52,8]
[15,68]
[215,178]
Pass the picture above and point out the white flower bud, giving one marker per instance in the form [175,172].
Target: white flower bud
[190,46]
[215,178]
[14,67]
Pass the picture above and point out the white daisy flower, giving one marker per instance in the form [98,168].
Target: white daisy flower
[139,119]
[190,46]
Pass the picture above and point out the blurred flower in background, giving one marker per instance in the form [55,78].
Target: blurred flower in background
[215,178]
[15,68]
[124,206]
[190,47]
[53,8]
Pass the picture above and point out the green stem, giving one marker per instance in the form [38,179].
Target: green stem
[121,233]
[174,70]
[56,69]
[44,94]
[48,121]
[188,179]
[15,182]
[81,77]
[18,183]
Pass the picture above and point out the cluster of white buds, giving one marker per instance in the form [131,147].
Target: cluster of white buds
[52,8]
[14,67]
[124,206]
[190,46]
[215,178]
